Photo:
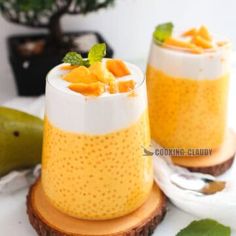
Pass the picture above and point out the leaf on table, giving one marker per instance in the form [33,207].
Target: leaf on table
[205,227]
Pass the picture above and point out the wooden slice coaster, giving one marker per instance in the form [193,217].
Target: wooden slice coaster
[215,164]
[48,221]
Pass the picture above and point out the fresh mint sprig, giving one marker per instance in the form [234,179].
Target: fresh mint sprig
[205,227]
[162,32]
[73,58]
[96,54]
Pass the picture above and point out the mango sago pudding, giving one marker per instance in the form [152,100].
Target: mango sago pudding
[187,81]
[96,126]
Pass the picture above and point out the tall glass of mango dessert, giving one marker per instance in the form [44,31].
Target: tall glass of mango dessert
[187,80]
[96,126]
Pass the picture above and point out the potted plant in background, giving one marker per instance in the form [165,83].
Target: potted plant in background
[31,56]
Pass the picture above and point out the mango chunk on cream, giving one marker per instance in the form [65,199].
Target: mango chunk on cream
[68,67]
[126,86]
[98,78]
[204,33]
[92,89]
[80,74]
[195,40]
[190,32]
[202,42]
[117,67]
[183,44]
[101,72]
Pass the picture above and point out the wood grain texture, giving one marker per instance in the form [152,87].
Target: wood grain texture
[215,170]
[47,221]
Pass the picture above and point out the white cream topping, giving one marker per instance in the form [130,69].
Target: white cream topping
[55,78]
[207,65]
[75,112]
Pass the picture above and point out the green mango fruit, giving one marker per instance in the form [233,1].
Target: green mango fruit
[20,140]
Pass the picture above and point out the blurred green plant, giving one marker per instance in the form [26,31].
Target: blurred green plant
[47,13]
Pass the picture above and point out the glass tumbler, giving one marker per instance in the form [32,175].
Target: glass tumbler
[93,164]
[187,96]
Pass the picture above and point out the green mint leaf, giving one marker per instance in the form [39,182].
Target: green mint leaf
[96,53]
[162,32]
[206,227]
[74,59]
[86,63]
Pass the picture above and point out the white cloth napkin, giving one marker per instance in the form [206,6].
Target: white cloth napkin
[220,206]
[17,180]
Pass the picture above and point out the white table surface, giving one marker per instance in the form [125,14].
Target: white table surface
[14,221]
[13,217]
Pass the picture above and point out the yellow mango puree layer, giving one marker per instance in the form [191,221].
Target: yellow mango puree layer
[187,113]
[97,176]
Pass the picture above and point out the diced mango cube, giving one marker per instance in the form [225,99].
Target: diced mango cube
[182,44]
[126,86]
[117,67]
[204,33]
[68,67]
[202,42]
[221,43]
[92,89]
[101,72]
[80,74]
[112,88]
[191,32]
